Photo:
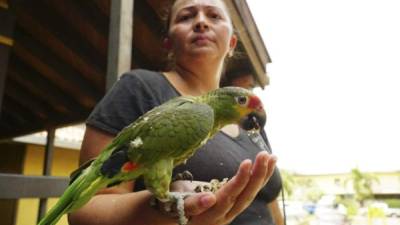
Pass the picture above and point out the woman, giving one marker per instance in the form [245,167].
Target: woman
[200,36]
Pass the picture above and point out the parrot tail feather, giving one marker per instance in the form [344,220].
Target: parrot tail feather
[74,197]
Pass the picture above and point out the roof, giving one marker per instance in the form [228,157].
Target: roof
[54,57]
[66,137]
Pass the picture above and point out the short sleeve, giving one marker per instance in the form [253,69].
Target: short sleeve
[128,99]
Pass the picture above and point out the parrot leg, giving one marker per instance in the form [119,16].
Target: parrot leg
[185,175]
[158,179]
[213,186]
[174,206]
[177,199]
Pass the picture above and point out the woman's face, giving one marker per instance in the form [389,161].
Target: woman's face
[201,28]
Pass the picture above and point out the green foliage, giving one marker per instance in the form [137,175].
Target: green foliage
[305,189]
[314,193]
[362,184]
[393,203]
[375,212]
[351,205]
[288,182]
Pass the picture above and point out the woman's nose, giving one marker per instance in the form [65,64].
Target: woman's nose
[201,23]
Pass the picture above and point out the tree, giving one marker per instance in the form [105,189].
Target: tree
[288,182]
[362,184]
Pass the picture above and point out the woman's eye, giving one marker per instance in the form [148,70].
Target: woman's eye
[215,16]
[183,17]
[242,100]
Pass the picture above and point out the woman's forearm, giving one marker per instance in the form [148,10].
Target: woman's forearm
[276,212]
[119,209]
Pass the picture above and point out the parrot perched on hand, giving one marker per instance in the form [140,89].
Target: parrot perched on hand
[155,143]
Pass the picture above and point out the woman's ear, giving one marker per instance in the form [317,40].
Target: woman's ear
[167,44]
[232,45]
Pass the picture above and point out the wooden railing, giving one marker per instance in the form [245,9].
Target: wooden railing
[15,186]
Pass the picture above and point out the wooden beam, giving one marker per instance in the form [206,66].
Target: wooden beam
[140,60]
[50,66]
[250,38]
[148,42]
[65,48]
[60,29]
[4,4]
[104,6]
[49,151]
[150,17]
[148,34]
[39,108]
[20,112]
[17,115]
[93,28]
[31,80]
[14,186]
[18,120]
[252,30]
[40,93]
[161,8]
[48,161]
[120,40]
[4,54]
[7,23]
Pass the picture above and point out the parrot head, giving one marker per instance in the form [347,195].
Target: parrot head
[238,105]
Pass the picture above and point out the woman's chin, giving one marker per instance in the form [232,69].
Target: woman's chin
[205,52]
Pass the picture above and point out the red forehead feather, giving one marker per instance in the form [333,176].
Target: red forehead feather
[254,102]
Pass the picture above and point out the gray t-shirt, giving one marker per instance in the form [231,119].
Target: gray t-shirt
[139,91]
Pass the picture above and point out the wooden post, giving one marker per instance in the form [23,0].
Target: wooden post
[48,161]
[119,40]
[7,21]
[4,4]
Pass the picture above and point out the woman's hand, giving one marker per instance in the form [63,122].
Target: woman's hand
[233,197]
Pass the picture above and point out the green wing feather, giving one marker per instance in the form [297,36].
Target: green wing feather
[174,131]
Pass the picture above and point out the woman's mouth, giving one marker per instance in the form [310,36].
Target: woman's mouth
[201,40]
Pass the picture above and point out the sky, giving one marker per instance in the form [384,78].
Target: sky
[333,102]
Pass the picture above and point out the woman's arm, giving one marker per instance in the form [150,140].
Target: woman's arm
[276,212]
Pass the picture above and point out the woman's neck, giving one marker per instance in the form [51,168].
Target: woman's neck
[195,80]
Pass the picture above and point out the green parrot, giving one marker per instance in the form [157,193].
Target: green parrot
[155,143]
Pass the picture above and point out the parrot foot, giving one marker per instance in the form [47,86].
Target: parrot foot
[178,198]
[213,186]
[174,206]
[185,175]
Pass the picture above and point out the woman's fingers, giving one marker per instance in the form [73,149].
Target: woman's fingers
[271,168]
[198,203]
[229,192]
[261,171]
[234,196]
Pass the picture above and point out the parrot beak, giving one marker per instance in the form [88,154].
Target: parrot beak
[254,121]
[257,118]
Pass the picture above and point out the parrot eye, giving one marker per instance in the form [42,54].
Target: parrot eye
[241,100]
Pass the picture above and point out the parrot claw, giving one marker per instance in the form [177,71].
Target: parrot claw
[178,198]
[213,186]
[185,175]
[173,206]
